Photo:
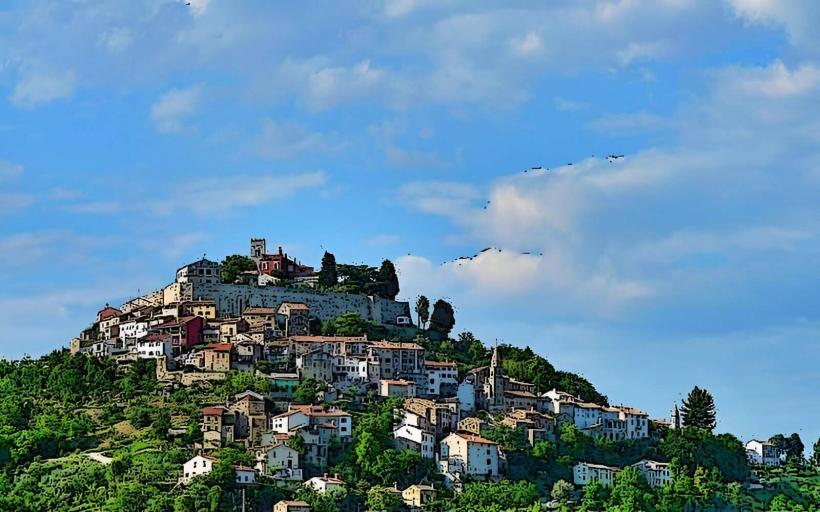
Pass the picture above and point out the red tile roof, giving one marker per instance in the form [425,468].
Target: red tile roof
[472,438]
[220,347]
[108,312]
[440,363]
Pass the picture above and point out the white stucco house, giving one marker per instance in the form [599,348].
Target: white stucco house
[585,472]
[325,483]
[764,453]
[657,474]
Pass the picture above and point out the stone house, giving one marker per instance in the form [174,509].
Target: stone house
[217,358]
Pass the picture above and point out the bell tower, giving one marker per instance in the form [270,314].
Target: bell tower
[258,248]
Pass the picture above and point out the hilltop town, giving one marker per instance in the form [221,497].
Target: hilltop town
[324,373]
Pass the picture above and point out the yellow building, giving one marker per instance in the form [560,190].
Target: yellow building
[418,496]
[204,308]
[292,506]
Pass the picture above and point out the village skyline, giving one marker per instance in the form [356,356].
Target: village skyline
[627,187]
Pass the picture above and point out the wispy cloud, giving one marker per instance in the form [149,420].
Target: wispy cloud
[286,140]
[40,85]
[209,196]
[174,107]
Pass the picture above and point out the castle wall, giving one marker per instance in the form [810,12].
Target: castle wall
[232,299]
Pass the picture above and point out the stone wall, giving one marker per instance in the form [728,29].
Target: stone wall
[232,299]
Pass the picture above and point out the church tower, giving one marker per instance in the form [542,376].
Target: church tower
[258,248]
[496,381]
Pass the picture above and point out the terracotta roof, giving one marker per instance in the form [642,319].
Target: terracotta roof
[315,410]
[259,311]
[177,322]
[208,457]
[213,411]
[328,479]
[108,312]
[220,347]
[523,394]
[295,305]
[472,438]
[398,382]
[155,337]
[439,363]
[328,339]
[396,345]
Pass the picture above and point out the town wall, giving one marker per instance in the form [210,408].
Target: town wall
[232,299]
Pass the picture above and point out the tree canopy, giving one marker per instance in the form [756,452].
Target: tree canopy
[698,409]
[443,318]
[328,275]
[234,265]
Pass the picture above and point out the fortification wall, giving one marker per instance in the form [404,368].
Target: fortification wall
[232,299]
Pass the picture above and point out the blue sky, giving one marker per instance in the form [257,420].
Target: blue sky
[136,136]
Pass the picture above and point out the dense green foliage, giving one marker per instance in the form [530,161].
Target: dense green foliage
[692,447]
[443,318]
[234,265]
[792,445]
[699,409]
[526,365]
[422,311]
[328,276]
[81,434]
[352,324]
[362,279]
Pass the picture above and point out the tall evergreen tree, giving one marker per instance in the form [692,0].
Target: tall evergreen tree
[698,409]
[423,310]
[388,280]
[443,318]
[328,276]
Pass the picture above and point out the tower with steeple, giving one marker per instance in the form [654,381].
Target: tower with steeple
[496,382]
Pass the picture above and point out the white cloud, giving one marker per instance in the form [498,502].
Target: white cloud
[198,7]
[209,196]
[32,248]
[529,44]
[173,107]
[10,170]
[39,86]
[14,202]
[331,86]
[775,80]
[732,193]
[285,140]
[440,197]
[412,52]
[116,40]
[799,19]
[412,158]
[566,105]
